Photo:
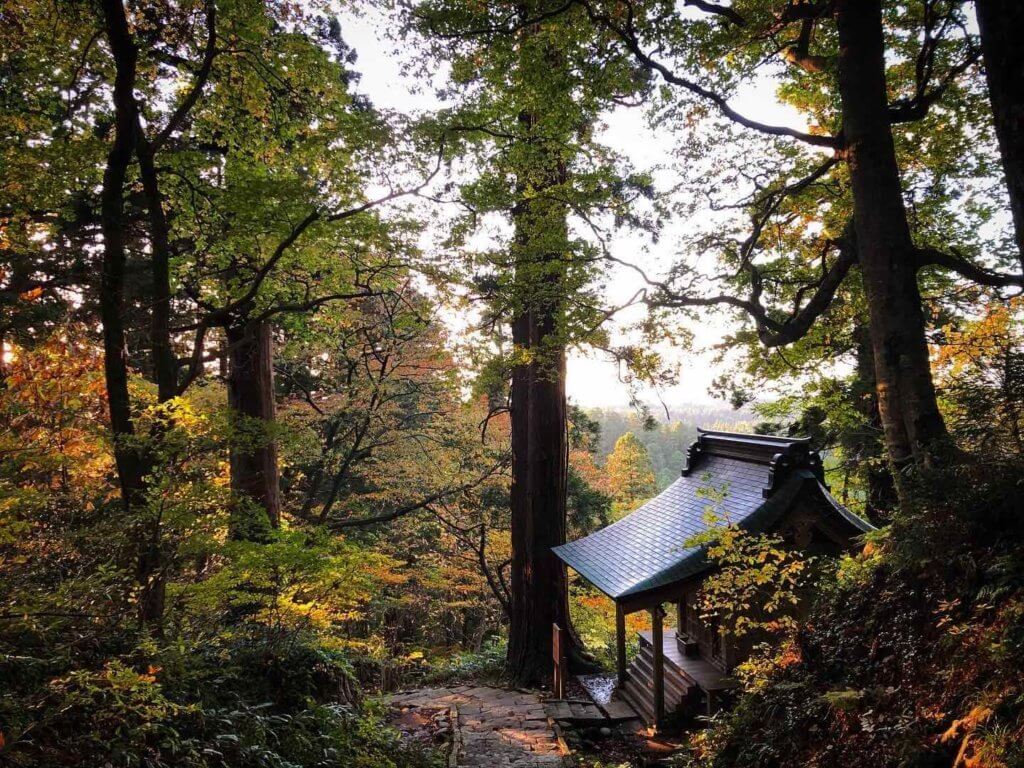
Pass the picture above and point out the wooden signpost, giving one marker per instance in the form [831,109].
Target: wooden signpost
[558,654]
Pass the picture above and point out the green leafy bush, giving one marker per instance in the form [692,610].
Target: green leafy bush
[912,658]
[238,706]
[486,664]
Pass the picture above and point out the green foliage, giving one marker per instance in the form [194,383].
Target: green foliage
[911,658]
[389,564]
[254,663]
[980,372]
[630,475]
[593,619]
[485,665]
[757,579]
[225,708]
[525,105]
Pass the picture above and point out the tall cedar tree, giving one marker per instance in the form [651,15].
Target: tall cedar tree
[528,93]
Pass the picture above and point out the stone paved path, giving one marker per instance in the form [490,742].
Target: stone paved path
[496,728]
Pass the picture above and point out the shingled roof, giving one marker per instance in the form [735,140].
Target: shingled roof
[761,477]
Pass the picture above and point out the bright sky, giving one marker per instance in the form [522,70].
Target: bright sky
[592,379]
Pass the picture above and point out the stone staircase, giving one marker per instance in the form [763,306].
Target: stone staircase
[639,687]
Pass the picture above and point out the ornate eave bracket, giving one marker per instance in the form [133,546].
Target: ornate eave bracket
[693,456]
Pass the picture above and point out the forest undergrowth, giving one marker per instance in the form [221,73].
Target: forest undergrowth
[913,657]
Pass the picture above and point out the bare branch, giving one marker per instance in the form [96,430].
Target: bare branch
[415,506]
[627,33]
[770,331]
[957,262]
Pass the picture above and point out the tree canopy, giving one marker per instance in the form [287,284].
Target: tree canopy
[289,376]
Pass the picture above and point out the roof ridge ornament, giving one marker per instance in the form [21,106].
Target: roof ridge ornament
[783,463]
[780,454]
[693,455]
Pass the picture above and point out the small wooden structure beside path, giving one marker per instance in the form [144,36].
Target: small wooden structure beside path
[761,483]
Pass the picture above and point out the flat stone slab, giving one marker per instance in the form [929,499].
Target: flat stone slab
[617,709]
[497,728]
[587,714]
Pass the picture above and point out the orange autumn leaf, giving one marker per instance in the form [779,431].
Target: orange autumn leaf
[31,295]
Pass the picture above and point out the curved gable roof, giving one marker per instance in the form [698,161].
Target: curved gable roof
[760,479]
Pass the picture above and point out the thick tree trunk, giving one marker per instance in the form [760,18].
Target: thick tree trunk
[540,448]
[254,470]
[539,477]
[1001,23]
[915,433]
[132,466]
[114,257]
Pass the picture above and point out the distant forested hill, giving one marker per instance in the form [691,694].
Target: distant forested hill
[667,442]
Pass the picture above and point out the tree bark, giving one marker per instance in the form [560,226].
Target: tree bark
[539,477]
[1001,23]
[867,446]
[132,464]
[165,364]
[114,257]
[914,429]
[254,470]
[540,445]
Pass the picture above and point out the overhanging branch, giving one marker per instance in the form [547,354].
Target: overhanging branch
[627,33]
[960,264]
[416,506]
[770,331]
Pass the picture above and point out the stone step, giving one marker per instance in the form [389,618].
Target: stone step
[575,711]
[586,712]
[618,709]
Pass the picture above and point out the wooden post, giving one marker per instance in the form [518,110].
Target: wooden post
[558,639]
[658,640]
[620,643]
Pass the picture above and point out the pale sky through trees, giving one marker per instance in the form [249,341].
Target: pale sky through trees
[592,379]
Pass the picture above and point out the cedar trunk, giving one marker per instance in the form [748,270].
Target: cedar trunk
[1001,23]
[540,440]
[539,477]
[914,430]
[254,471]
